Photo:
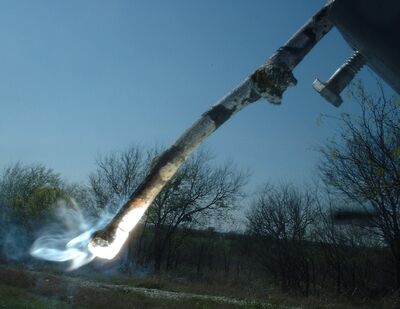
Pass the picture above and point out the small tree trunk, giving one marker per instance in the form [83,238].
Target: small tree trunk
[397,262]
[140,242]
[167,266]
[157,264]
[338,279]
[158,250]
[200,259]
[307,274]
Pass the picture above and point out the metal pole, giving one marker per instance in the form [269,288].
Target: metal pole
[269,82]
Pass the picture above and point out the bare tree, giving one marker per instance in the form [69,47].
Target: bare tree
[280,218]
[198,191]
[363,163]
[117,175]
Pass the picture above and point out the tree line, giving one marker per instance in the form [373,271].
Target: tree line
[341,234]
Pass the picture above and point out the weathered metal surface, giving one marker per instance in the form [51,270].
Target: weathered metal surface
[372,27]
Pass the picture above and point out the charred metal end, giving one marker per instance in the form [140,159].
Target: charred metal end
[103,238]
[106,245]
[332,88]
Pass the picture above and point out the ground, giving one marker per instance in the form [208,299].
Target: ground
[23,288]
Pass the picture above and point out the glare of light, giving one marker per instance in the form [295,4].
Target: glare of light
[112,248]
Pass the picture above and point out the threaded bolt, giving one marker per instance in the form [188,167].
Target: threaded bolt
[332,88]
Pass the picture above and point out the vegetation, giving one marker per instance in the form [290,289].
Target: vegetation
[363,166]
[29,191]
[335,244]
[280,220]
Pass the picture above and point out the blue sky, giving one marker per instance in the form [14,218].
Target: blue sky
[83,78]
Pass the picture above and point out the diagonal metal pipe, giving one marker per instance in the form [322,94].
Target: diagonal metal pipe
[269,81]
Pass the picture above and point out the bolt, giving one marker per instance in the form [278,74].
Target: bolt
[332,88]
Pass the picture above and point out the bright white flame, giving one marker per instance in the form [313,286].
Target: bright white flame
[68,239]
[128,222]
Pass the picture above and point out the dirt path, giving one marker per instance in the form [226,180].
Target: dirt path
[159,294]
[84,293]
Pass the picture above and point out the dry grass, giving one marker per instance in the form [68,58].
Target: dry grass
[78,293]
[21,288]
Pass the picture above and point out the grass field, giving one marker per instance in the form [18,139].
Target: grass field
[22,288]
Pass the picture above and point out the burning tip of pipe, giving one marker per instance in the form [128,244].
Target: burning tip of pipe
[105,244]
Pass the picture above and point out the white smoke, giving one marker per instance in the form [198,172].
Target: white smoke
[67,239]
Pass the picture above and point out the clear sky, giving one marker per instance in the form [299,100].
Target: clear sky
[82,78]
